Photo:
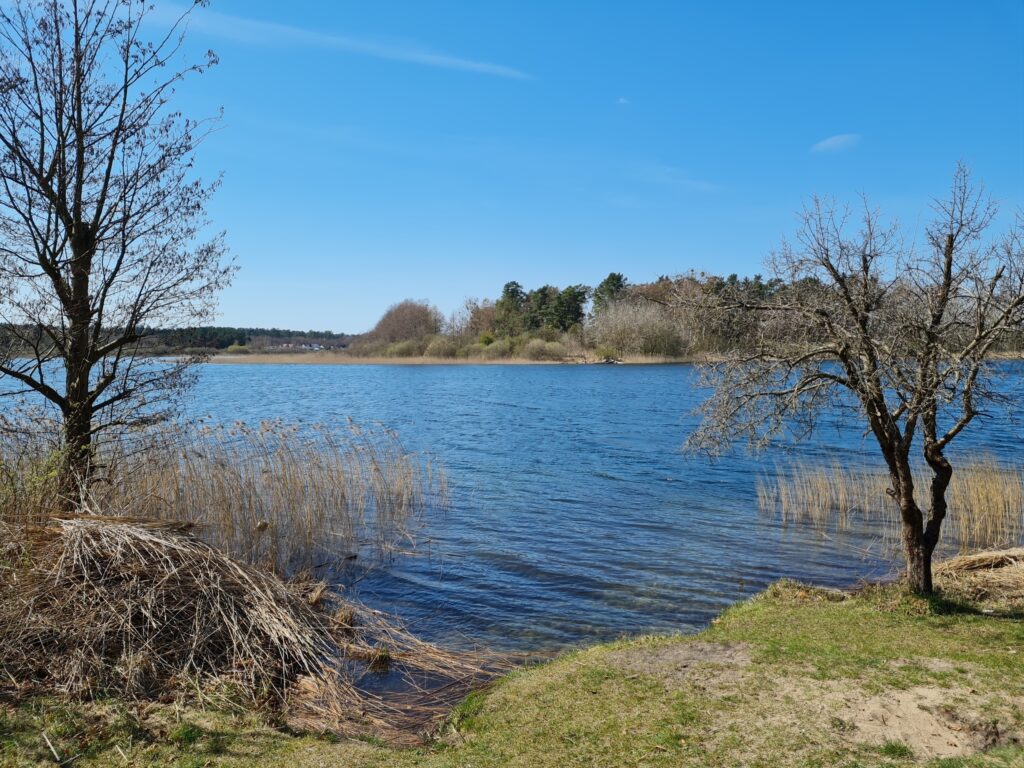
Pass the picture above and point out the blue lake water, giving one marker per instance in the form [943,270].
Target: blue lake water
[575,517]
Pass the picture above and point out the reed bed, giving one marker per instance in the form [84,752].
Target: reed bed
[986,501]
[93,605]
[293,500]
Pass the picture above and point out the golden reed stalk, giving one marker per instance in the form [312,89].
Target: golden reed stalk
[986,500]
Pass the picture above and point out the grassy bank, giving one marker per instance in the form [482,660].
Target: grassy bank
[794,677]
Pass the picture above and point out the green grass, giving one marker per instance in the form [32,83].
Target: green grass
[896,749]
[804,650]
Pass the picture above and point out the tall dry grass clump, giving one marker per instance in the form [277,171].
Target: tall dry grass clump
[986,500]
[280,497]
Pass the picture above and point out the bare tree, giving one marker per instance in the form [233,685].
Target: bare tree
[902,336]
[102,220]
[407,320]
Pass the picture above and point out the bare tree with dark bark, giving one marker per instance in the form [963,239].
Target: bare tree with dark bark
[102,219]
[901,336]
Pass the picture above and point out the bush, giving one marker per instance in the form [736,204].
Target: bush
[605,353]
[442,346]
[237,349]
[538,349]
[499,350]
[486,338]
[365,348]
[406,349]
[661,340]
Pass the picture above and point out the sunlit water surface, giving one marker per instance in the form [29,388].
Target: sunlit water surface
[574,516]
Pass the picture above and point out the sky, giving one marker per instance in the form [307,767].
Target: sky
[373,152]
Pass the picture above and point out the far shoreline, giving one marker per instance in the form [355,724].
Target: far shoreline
[333,358]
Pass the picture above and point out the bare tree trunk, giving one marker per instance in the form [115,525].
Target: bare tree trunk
[916,547]
[919,559]
[77,458]
[942,475]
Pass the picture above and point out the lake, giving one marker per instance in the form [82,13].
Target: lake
[575,518]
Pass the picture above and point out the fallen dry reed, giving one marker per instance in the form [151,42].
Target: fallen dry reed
[986,501]
[993,577]
[93,606]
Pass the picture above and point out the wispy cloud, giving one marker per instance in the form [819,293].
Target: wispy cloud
[837,143]
[670,176]
[622,101]
[269,33]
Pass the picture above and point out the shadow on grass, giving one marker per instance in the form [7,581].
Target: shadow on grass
[941,605]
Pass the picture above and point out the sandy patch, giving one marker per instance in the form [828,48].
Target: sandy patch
[931,720]
[934,722]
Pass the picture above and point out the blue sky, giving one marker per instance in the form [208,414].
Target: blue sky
[435,150]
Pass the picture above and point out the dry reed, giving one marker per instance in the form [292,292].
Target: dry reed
[280,497]
[993,577]
[178,586]
[986,501]
[95,605]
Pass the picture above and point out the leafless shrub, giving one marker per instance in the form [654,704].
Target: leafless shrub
[639,327]
[407,321]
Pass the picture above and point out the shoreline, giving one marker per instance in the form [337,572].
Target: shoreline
[319,358]
[335,358]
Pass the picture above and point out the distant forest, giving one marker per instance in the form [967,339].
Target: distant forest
[220,339]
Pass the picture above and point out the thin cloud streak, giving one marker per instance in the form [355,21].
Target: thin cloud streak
[837,143]
[670,176]
[269,33]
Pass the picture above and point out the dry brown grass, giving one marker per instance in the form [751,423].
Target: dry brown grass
[274,496]
[95,606]
[986,501]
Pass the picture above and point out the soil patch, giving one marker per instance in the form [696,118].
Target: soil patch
[676,665]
